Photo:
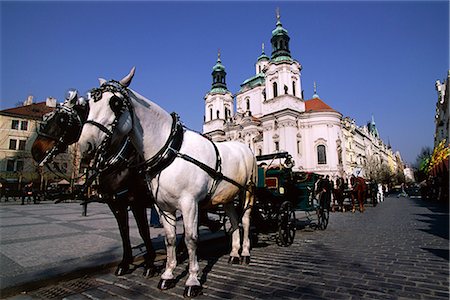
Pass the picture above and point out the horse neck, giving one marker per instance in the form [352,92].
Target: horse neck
[152,126]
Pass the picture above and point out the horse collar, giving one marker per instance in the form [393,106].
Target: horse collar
[167,154]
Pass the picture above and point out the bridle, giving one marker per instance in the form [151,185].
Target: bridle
[61,143]
[103,160]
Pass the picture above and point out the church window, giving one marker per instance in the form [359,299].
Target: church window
[259,68]
[275,89]
[285,89]
[277,146]
[210,114]
[218,114]
[321,155]
[248,103]
[298,147]
[293,88]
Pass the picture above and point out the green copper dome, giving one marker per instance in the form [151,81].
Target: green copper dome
[218,67]
[219,75]
[280,42]
[279,30]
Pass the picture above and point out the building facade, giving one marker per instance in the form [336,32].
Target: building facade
[270,114]
[442,117]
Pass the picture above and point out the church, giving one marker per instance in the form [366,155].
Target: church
[270,114]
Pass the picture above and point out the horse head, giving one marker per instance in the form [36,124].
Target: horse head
[110,117]
[60,128]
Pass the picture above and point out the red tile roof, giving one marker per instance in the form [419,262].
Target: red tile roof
[32,111]
[316,104]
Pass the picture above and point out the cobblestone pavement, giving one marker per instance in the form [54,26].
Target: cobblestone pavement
[397,250]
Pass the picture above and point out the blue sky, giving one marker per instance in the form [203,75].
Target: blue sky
[379,58]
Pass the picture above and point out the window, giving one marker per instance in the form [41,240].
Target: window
[275,89]
[293,88]
[19,165]
[217,113]
[248,103]
[22,144]
[210,114]
[321,155]
[10,165]
[298,147]
[24,125]
[277,146]
[12,144]
[15,124]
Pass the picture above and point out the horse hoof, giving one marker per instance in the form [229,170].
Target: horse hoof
[149,271]
[192,291]
[245,260]
[233,260]
[121,270]
[165,284]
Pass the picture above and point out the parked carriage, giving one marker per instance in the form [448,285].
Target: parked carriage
[280,192]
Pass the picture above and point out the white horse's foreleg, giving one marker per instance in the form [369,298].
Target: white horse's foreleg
[190,220]
[249,197]
[235,234]
[168,220]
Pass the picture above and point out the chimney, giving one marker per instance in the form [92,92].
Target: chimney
[29,101]
[50,102]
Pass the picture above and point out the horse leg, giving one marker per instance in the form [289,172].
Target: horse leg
[249,198]
[140,214]
[168,220]
[190,220]
[235,235]
[121,214]
[352,196]
[362,198]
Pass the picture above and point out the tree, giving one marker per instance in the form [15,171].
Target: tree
[422,162]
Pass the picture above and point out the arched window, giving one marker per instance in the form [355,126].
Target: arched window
[321,155]
[277,146]
[210,114]
[275,89]
[247,103]
[218,114]
[293,88]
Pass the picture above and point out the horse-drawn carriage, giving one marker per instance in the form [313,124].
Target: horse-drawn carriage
[280,192]
[141,155]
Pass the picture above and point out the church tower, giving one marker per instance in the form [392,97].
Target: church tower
[218,103]
[283,74]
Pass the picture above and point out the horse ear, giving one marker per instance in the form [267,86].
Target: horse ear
[125,82]
[102,81]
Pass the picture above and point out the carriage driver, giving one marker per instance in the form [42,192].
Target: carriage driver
[323,191]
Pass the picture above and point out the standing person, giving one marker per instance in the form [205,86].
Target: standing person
[27,192]
[339,193]
[328,188]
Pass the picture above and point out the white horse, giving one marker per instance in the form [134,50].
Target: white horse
[184,170]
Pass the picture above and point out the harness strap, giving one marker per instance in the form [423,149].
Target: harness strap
[101,127]
[165,156]
[211,172]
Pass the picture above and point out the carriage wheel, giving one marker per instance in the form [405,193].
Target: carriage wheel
[286,224]
[323,215]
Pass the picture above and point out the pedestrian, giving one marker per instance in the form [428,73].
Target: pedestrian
[27,192]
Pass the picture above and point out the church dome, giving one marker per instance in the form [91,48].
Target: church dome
[279,30]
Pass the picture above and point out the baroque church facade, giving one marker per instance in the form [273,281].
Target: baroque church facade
[270,114]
